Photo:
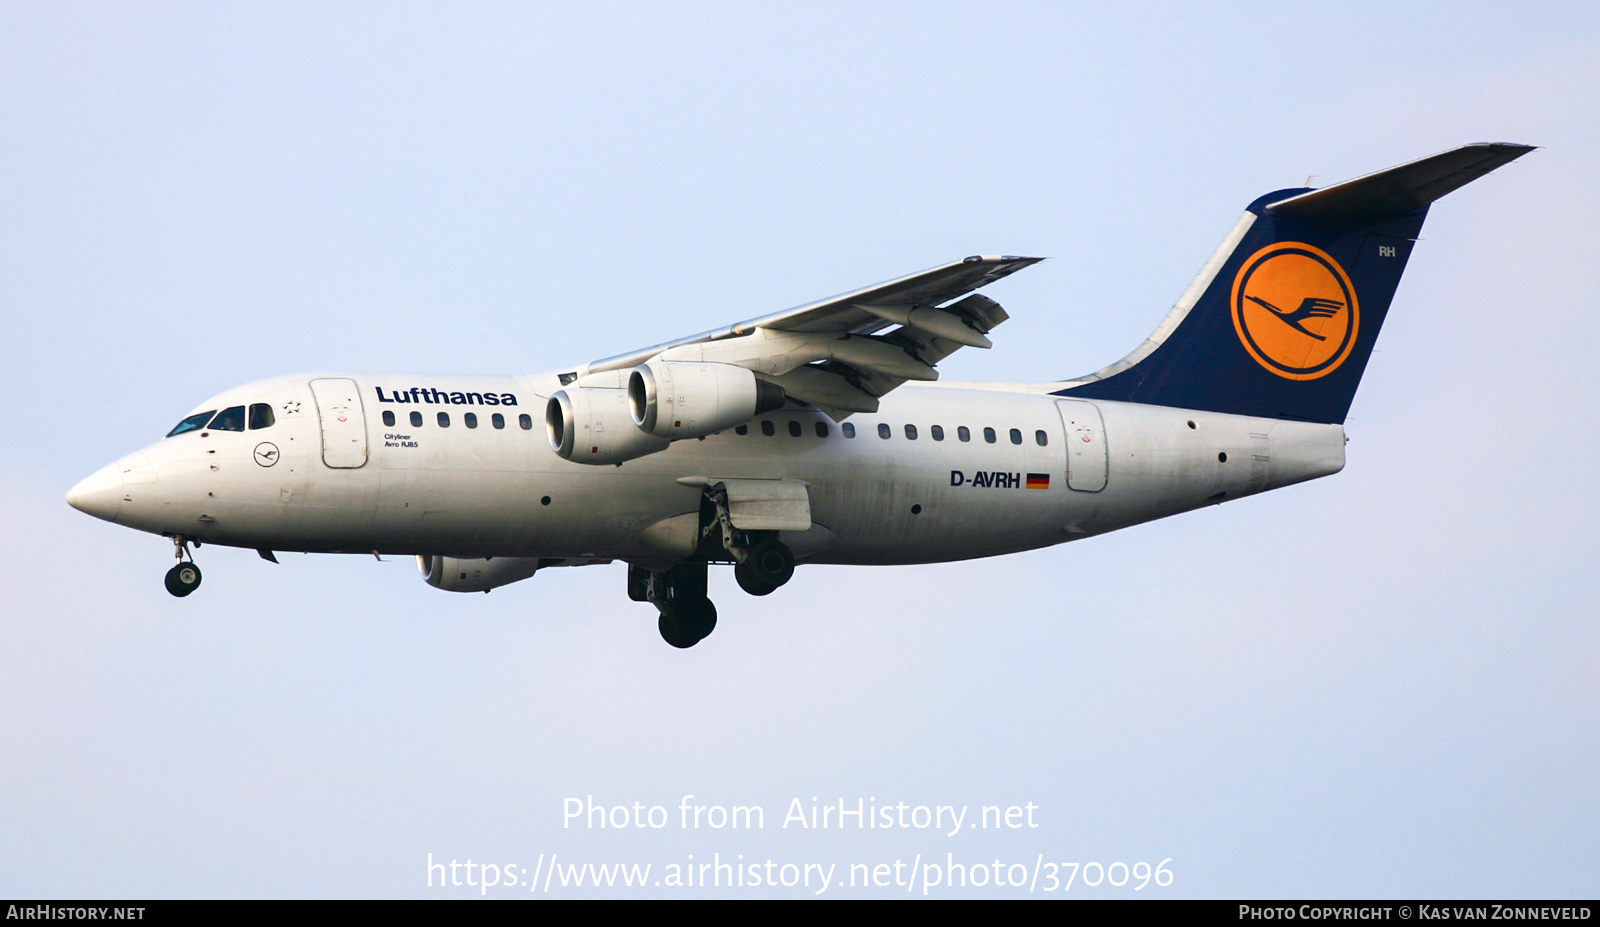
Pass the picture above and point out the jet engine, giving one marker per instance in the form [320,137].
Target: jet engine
[455,574]
[691,400]
[592,426]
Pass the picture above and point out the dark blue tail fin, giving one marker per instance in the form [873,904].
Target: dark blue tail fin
[1282,319]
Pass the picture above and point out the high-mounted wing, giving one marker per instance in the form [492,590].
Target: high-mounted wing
[835,353]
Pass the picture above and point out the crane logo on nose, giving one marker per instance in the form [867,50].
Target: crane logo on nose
[1295,310]
[266,453]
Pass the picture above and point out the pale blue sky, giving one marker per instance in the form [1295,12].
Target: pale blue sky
[198,195]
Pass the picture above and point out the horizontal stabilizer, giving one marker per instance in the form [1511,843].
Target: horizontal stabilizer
[1402,189]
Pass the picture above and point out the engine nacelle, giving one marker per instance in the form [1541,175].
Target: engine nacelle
[592,426]
[455,574]
[691,400]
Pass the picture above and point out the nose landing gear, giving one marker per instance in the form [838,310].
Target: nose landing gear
[185,577]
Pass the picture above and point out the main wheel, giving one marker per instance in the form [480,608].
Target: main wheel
[687,623]
[667,624]
[769,563]
[749,583]
[183,579]
[698,617]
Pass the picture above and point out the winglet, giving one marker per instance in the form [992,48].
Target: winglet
[1402,189]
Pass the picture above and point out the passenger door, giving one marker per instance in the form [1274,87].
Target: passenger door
[1086,444]
[344,424]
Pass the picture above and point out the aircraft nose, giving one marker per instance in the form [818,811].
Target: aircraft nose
[100,494]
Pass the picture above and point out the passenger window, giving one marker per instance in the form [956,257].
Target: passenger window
[883,431]
[1016,436]
[822,429]
[197,420]
[498,420]
[471,419]
[963,433]
[1040,438]
[849,429]
[416,420]
[768,429]
[937,432]
[444,419]
[794,430]
[261,416]
[229,419]
[742,430]
[525,421]
[388,418]
[988,435]
[911,432]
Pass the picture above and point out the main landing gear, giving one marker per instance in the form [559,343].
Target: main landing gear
[766,566]
[185,577]
[762,563]
[687,616]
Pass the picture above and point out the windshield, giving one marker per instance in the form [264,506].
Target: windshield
[197,420]
[229,419]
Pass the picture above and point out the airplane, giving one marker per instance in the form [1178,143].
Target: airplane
[814,435]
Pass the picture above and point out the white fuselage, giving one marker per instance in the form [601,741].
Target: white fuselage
[503,492]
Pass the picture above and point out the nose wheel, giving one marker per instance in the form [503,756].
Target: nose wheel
[185,577]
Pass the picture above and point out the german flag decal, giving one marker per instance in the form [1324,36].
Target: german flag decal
[1038,481]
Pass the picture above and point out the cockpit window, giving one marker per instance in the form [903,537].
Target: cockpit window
[261,416]
[229,419]
[197,420]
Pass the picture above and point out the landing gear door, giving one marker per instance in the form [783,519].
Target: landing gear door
[344,424]
[767,505]
[1086,444]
